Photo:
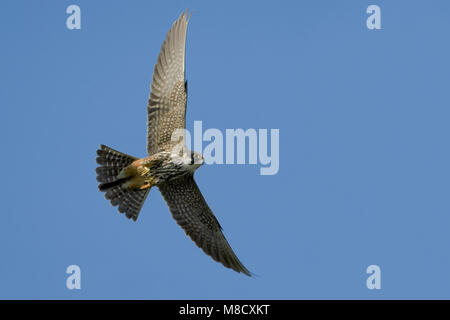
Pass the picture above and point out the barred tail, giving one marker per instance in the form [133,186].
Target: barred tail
[111,163]
[104,186]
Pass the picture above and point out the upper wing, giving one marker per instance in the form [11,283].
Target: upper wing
[167,104]
[193,214]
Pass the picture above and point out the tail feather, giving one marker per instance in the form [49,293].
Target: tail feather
[130,202]
[107,174]
[108,185]
[113,159]
[111,163]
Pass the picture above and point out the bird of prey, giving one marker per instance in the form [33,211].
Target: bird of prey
[127,180]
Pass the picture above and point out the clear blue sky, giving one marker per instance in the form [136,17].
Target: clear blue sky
[364,148]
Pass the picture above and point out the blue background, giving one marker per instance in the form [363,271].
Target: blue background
[364,155]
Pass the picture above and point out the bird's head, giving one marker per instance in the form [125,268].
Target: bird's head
[189,159]
[196,159]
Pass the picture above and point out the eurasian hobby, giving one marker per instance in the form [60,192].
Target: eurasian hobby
[127,180]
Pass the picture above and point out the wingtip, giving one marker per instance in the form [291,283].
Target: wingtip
[187,15]
[244,270]
[253,275]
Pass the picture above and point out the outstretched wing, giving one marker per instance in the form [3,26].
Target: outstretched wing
[193,214]
[167,104]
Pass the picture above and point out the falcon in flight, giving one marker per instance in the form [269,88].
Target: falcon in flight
[127,180]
